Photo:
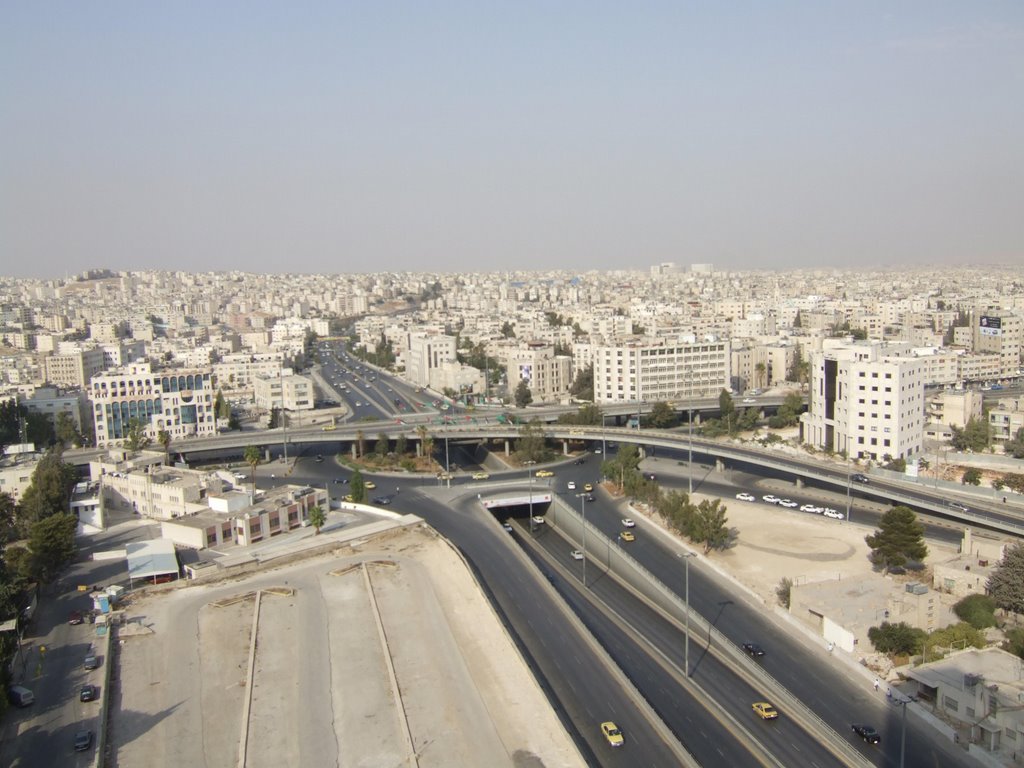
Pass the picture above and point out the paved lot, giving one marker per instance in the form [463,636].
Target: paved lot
[362,659]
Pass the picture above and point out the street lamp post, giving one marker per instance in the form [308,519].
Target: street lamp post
[847,484]
[686,600]
[583,501]
[529,470]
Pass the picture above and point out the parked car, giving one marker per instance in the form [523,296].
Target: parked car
[866,732]
[788,503]
[743,496]
[835,514]
[91,661]
[811,508]
[88,693]
[20,696]
[75,618]
[770,498]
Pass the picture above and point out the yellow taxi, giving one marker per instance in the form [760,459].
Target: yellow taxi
[627,536]
[765,711]
[545,473]
[481,476]
[369,485]
[612,734]
[588,487]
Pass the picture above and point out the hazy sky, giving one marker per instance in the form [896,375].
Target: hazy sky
[357,137]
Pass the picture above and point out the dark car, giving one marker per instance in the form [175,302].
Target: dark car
[753,649]
[91,662]
[75,618]
[341,481]
[857,477]
[866,732]
[382,500]
[88,693]
[83,740]
[650,476]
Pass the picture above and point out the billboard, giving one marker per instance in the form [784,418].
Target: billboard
[990,326]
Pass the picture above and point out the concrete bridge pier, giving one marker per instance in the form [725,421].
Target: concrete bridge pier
[508,447]
[719,465]
[565,447]
[799,482]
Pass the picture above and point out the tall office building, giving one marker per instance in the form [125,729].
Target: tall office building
[660,370]
[865,403]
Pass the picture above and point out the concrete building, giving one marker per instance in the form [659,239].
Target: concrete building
[967,573]
[865,403]
[425,353]
[240,370]
[179,402]
[291,393]
[74,368]
[955,407]
[1006,418]
[548,375]
[981,693]
[660,370]
[50,401]
[1000,333]
[161,493]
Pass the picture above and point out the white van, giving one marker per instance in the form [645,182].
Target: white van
[19,696]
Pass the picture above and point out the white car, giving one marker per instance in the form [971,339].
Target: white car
[572,485]
[745,496]
[628,522]
[788,503]
[834,514]
[812,508]
[538,520]
[770,498]
[749,400]
[576,554]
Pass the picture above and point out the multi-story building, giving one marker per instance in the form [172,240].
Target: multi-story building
[865,403]
[50,401]
[240,370]
[178,401]
[1006,418]
[291,393]
[548,375]
[1000,333]
[955,407]
[660,370]
[425,353]
[74,368]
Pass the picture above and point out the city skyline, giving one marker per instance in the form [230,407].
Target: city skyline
[391,138]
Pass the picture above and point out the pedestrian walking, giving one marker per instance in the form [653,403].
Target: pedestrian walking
[876,683]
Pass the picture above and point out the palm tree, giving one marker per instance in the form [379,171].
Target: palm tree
[252,458]
[360,437]
[759,369]
[426,441]
[317,518]
[164,438]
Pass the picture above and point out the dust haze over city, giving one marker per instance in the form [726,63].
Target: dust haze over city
[352,137]
[494,385]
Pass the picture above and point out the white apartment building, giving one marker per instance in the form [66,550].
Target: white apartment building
[50,401]
[1000,333]
[941,366]
[179,402]
[240,370]
[955,407]
[865,403]
[981,366]
[425,353]
[291,393]
[660,370]
[1006,418]
[548,375]
[74,368]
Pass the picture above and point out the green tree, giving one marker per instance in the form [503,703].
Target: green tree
[164,438]
[588,415]
[898,540]
[221,406]
[582,387]
[1006,583]
[135,438]
[975,436]
[49,492]
[317,518]
[897,639]
[789,412]
[523,395]
[532,444]
[971,476]
[960,635]
[52,544]
[710,526]
[66,430]
[977,610]
[675,507]
[8,508]
[797,366]
[401,445]
[507,330]
[252,458]
[357,487]
[383,443]
[275,419]
[1015,642]
[1015,447]
[760,370]
[662,416]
